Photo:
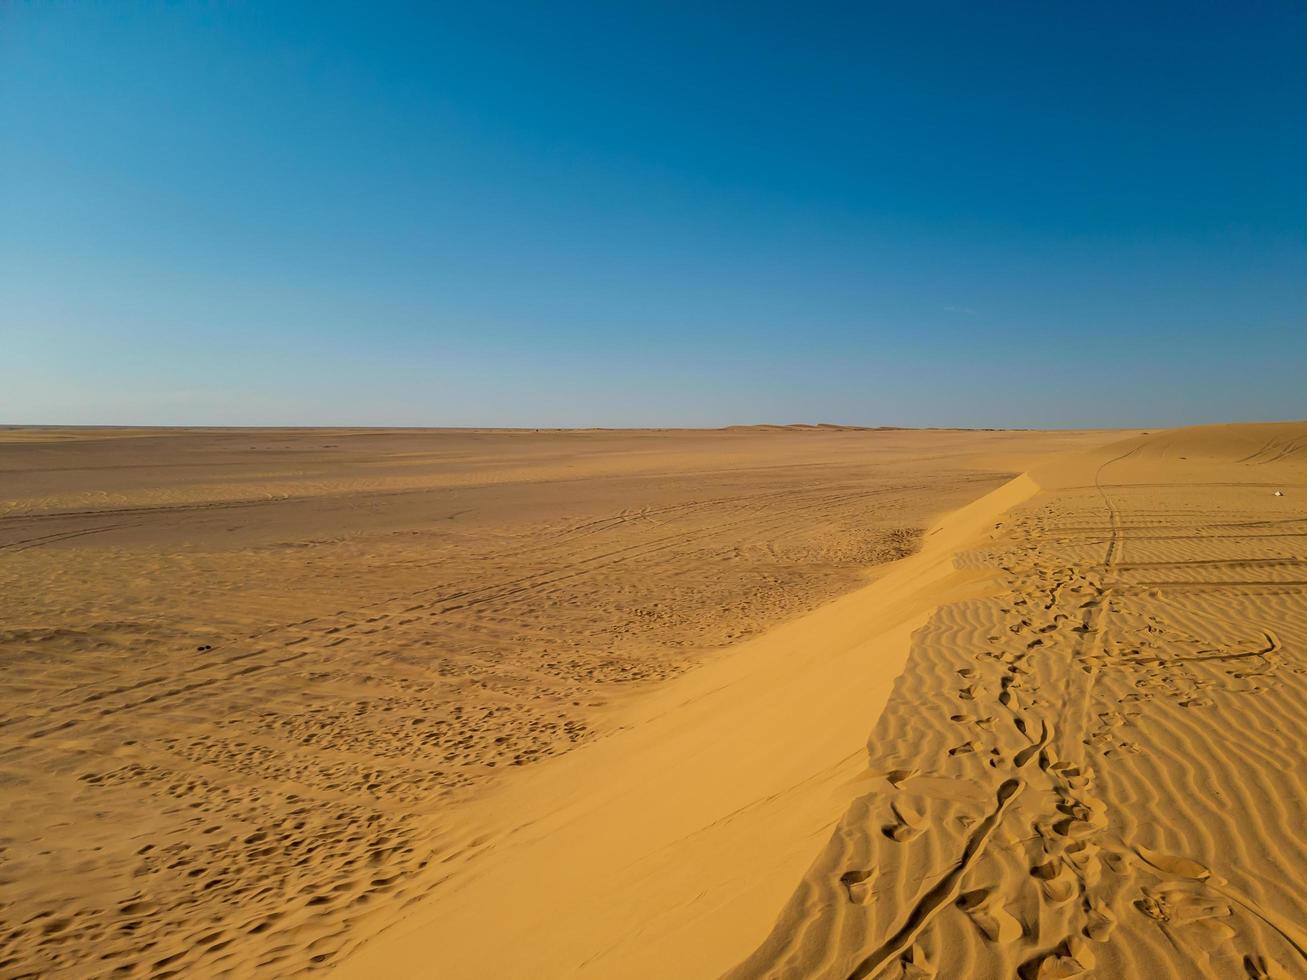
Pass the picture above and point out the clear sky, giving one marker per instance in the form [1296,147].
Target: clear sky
[988,214]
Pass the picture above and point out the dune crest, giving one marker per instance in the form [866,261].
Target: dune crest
[665,849]
[252,677]
[355,701]
[1104,756]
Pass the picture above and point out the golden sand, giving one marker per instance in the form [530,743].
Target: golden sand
[1089,763]
[1097,770]
[251,677]
[652,704]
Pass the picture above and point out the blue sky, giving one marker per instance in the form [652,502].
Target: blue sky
[619,214]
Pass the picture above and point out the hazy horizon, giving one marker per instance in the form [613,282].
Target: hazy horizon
[587,216]
[339,426]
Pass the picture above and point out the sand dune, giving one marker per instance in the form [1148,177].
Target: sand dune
[633,705]
[1088,765]
[666,849]
[1098,770]
[258,682]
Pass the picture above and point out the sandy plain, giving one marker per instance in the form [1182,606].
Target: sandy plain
[269,694]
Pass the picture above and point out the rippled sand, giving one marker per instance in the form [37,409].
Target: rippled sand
[259,684]
[1063,739]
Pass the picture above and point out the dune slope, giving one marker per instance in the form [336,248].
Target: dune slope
[1097,771]
[665,849]
[251,678]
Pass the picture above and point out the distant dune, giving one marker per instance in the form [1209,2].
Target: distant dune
[811,427]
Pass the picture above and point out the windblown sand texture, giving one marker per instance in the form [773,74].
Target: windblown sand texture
[1098,771]
[264,691]
[1085,703]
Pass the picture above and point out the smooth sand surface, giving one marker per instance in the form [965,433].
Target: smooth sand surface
[269,694]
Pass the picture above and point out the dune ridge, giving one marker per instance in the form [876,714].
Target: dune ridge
[1084,690]
[1096,772]
[1085,767]
[664,849]
[253,677]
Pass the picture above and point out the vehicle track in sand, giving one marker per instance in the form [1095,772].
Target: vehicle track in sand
[1145,728]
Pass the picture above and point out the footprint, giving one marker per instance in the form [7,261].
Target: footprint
[898,776]
[1177,906]
[995,922]
[1086,860]
[1260,967]
[1056,882]
[916,965]
[1082,819]
[910,825]
[859,885]
[1072,959]
[1100,921]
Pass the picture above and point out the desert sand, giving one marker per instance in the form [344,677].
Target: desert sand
[1063,739]
[275,697]
[762,702]
[1097,770]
